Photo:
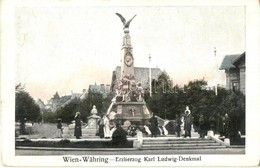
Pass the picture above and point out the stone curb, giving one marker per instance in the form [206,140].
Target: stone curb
[75,149]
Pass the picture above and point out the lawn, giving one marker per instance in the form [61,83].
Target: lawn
[39,136]
[47,130]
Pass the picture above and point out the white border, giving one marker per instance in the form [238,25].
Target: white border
[251,158]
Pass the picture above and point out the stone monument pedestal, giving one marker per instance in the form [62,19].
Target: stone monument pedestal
[210,133]
[92,128]
[134,112]
[93,124]
[227,141]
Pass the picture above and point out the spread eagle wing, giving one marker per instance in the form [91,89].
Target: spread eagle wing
[128,22]
[121,17]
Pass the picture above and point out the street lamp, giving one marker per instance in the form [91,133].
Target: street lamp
[150,75]
[215,60]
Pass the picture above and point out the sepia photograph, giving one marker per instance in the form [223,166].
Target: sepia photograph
[111,84]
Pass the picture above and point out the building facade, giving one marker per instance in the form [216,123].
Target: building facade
[102,88]
[56,101]
[235,69]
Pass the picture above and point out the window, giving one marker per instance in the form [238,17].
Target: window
[235,86]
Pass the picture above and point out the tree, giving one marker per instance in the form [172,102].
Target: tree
[85,106]
[26,108]
[162,84]
[234,106]
[166,103]
[48,116]
[162,98]
[68,112]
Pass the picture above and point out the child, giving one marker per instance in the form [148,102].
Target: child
[59,127]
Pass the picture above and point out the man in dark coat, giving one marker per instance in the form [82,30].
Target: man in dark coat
[154,125]
[202,129]
[77,130]
[187,124]
[59,127]
[119,136]
[101,127]
[178,123]
[226,125]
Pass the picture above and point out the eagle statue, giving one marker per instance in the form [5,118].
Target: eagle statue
[126,24]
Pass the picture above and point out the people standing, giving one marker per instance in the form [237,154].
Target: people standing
[101,127]
[182,125]
[106,127]
[154,125]
[59,128]
[220,125]
[119,136]
[178,123]
[22,126]
[226,125]
[202,130]
[187,123]
[132,130]
[77,130]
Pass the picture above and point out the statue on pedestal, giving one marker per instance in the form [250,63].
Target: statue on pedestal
[94,110]
[93,121]
[126,24]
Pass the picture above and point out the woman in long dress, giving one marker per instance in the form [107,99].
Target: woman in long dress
[101,127]
[187,124]
[77,130]
[106,127]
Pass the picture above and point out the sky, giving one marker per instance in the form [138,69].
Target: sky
[66,48]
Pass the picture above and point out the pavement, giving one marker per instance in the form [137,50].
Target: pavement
[88,138]
[21,150]
[125,151]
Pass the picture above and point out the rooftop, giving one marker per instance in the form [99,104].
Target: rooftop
[230,60]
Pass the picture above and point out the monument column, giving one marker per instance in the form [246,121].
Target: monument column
[127,59]
[128,104]
[127,78]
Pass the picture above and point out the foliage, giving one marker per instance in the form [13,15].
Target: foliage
[68,112]
[234,106]
[85,106]
[168,100]
[48,116]
[25,106]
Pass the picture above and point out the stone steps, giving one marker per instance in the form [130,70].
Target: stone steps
[183,144]
[180,143]
[183,148]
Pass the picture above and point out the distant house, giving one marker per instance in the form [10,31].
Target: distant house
[53,103]
[102,88]
[56,101]
[141,76]
[41,104]
[235,69]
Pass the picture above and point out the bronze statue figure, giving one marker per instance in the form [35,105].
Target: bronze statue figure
[126,24]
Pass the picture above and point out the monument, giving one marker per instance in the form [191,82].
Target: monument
[128,105]
[92,127]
